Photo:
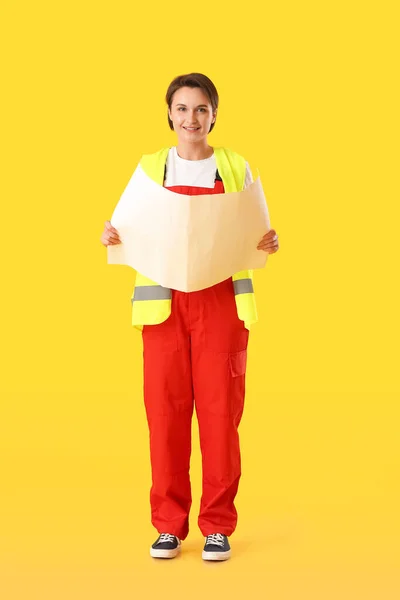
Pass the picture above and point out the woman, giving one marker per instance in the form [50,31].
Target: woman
[195,344]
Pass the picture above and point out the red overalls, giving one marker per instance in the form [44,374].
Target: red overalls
[197,357]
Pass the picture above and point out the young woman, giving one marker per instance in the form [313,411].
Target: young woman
[195,344]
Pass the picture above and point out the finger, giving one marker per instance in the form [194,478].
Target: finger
[110,227]
[264,239]
[267,248]
[112,231]
[269,240]
[267,245]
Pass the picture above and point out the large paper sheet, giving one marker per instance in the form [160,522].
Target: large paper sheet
[188,243]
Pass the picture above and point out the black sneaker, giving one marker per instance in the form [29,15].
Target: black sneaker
[166,546]
[216,547]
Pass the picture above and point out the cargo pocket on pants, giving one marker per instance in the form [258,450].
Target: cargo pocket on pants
[237,363]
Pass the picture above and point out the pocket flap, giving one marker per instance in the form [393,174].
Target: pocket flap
[237,362]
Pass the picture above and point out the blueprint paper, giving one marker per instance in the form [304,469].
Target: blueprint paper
[188,243]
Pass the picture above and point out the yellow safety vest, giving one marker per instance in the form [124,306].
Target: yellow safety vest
[151,303]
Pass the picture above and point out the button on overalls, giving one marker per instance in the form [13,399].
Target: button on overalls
[196,358]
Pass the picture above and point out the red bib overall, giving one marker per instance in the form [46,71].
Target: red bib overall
[197,357]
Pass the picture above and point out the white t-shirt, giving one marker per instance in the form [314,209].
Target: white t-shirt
[201,173]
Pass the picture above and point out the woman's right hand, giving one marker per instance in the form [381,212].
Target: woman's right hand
[110,235]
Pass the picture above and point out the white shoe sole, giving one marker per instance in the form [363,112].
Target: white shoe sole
[216,555]
[164,553]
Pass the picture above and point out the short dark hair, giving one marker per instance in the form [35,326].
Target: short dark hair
[193,80]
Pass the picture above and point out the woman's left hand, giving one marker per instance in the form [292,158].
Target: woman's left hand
[269,242]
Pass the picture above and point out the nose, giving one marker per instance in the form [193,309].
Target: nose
[191,117]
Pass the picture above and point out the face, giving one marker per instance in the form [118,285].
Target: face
[191,114]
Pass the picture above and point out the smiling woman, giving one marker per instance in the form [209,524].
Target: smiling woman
[203,91]
[192,116]
[195,343]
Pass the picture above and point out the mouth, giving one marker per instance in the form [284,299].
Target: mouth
[191,128]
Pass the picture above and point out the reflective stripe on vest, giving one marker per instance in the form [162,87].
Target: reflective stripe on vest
[245,297]
[243,286]
[151,303]
[151,292]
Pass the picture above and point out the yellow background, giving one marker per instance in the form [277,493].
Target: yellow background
[308,95]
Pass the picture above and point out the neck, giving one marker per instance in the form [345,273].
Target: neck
[194,151]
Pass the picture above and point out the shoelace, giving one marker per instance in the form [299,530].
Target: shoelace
[215,538]
[166,537]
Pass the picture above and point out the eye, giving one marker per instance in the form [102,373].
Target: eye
[181,108]
[202,109]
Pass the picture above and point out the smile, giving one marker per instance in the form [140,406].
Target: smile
[191,128]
